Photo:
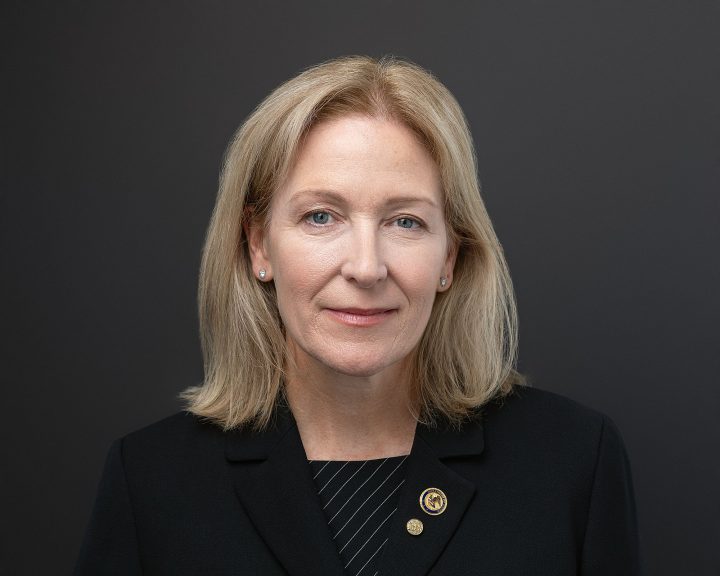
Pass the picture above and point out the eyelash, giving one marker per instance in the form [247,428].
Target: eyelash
[308,219]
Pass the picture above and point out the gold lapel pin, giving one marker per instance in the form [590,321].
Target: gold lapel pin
[414,526]
[433,501]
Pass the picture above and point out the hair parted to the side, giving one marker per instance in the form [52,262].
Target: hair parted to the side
[468,351]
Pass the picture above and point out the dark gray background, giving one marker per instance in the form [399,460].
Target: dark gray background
[597,135]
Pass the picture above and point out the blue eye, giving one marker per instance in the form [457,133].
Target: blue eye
[320,217]
[407,223]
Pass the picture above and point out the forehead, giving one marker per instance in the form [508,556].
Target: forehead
[349,134]
[366,156]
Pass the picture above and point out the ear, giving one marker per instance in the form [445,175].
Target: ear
[449,265]
[256,236]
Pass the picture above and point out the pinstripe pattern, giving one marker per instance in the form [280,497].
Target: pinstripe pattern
[359,499]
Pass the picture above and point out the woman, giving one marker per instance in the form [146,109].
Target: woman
[360,412]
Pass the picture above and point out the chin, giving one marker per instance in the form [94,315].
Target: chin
[360,360]
[358,367]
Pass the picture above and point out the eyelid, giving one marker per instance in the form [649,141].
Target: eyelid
[420,222]
[307,215]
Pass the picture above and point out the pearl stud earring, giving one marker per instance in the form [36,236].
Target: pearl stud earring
[262,274]
[443,281]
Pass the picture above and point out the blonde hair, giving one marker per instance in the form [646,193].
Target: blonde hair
[468,351]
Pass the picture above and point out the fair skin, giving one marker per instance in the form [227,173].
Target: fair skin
[356,245]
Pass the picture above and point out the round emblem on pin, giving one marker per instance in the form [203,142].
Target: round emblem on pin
[414,526]
[433,501]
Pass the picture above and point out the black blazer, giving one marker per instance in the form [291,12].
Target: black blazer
[537,486]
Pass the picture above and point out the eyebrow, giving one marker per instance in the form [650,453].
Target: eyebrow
[331,196]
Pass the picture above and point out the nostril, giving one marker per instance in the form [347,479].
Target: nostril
[365,262]
[363,275]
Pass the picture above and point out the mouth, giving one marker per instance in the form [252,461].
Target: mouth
[360,316]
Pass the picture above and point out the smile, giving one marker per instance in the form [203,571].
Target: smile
[360,317]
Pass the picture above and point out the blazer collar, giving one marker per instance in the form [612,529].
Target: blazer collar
[430,466]
[273,482]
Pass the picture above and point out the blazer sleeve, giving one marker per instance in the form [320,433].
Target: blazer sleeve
[111,546]
[611,544]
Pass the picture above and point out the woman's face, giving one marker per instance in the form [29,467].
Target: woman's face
[356,245]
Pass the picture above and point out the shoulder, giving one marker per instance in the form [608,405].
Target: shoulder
[181,426]
[182,429]
[546,429]
[179,442]
[541,412]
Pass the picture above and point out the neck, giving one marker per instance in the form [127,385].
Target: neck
[343,417]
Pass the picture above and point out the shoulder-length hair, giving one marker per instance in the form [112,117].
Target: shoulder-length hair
[468,351]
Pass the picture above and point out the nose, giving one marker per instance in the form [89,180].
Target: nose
[364,260]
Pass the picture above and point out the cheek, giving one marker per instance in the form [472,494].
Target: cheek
[293,283]
[308,254]
[418,279]
[418,272]
[300,272]
[294,301]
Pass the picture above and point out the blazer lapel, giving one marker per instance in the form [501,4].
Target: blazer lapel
[415,555]
[272,479]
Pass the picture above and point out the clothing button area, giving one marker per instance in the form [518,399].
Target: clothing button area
[414,526]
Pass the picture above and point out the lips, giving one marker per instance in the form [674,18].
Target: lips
[360,316]
[362,311]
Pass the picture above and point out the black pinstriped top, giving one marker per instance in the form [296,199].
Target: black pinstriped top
[359,499]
